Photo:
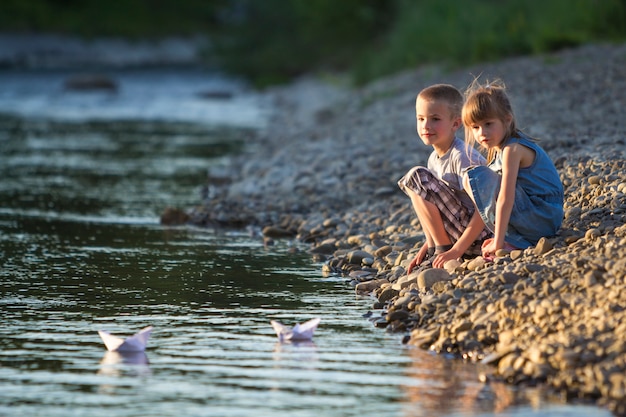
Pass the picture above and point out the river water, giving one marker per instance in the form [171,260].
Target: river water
[83,180]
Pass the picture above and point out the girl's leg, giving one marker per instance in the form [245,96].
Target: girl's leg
[467,187]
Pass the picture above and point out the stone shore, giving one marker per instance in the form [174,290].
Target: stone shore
[324,173]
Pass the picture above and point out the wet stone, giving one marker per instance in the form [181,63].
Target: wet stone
[397,315]
[387,294]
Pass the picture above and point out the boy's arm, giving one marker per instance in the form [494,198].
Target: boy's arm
[419,257]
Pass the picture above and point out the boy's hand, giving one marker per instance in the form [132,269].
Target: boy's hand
[416,261]
[421,254]
[444,257]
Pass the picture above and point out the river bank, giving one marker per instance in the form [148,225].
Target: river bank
[324,172]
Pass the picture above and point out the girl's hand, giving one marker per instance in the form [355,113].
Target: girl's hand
[489,248]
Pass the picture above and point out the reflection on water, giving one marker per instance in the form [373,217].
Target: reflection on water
[82,250]
[129,363]
[455,381]
[126,358]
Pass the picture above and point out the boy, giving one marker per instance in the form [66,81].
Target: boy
[447,215]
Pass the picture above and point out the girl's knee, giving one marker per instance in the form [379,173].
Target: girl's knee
[466,183]
[467,187]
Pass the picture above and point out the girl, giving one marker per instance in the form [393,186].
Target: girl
[519,194]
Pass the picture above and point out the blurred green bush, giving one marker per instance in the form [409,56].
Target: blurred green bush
[461,32]
[271,41]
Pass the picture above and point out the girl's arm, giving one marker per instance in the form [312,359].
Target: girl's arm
[511,160]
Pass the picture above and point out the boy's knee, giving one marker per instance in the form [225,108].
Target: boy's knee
[415,178]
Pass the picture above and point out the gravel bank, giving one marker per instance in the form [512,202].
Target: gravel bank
[325,172]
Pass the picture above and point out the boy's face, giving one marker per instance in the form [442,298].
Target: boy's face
[435,124]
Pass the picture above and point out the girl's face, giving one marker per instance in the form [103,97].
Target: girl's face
[489,133]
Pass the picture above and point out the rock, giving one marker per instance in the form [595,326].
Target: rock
[90,82]
[405,281]
[592,234]
[428,277]
[387,294]
[451,265]
[397,315]
[543,246]
[594,179]
[460,326]
[533,267]
[324,249]
[369,286]
[476,263]
[172,216]
[508,278]
[216,94]
[403,301]
[276,232]
[424,337]
[383,251]
[356,257]
[502,252]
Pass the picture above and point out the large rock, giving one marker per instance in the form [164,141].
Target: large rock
[428,277]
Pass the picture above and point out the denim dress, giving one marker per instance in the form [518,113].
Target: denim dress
[538,207]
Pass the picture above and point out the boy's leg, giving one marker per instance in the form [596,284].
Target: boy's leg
[437,206]
[429,217]
[418,184]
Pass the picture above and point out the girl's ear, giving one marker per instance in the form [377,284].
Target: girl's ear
[509,121]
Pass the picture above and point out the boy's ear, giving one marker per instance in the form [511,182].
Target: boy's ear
[457,123]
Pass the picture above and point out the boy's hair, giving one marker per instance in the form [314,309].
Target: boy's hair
[446,93]
[488,101]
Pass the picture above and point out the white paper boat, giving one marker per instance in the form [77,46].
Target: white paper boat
[302,331]
[134,343]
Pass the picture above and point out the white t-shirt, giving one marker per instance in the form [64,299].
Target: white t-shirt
[450,166]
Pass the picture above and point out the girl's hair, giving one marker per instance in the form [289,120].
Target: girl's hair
[487,101]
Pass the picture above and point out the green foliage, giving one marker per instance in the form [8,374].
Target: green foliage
[125,18]
[280,38]
[270,41]
[461,32]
